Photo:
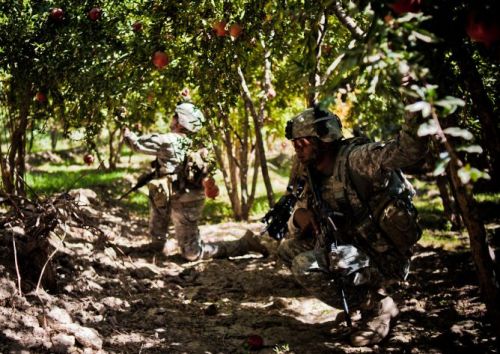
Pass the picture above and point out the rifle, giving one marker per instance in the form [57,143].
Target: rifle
[327,238]
[142,181]
[277,217]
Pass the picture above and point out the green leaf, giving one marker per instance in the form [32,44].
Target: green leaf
[468,174]
[373,84]
[427,38]
[464,175]
[443,155]
[421,106]
[450,100]
[471,149]
[441,166]
[409,16]
[458,132]
[428,128]
[450,103]
[431,92]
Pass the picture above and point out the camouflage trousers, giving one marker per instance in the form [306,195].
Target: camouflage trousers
[184,211]
[305,261]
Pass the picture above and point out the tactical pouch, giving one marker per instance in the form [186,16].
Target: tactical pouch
[371,234]
[159,195]
[161,170]
[389,241]
[398,220]
[347,259]
[389,226]
[197,167]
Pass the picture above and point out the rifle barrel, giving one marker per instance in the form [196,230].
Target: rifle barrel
[327,240]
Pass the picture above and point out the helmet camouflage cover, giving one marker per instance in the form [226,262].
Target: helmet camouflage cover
[314,122]
[189,116]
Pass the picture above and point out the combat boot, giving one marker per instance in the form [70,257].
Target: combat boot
[170,247]
[376,327]
[248,243]
[251,243]
[156,245]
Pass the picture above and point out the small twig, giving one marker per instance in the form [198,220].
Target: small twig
[47,262]
[16,264]
[28,186]
[43,269]
[15,206]
[126,255]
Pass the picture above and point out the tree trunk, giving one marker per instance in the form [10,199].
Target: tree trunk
[118,156]
[260,151]
[220,161]
[488,280]
[233,166]
[251,198]
[258,122]
[114,153]
[243,154]
[7,182]
[485,267]
[449,204]
[111,138]
[17,154]
[219,155]
[53,139]
[482,107]
[93,147]
[258,137]
[446,191]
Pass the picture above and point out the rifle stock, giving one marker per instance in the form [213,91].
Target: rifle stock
[142,181]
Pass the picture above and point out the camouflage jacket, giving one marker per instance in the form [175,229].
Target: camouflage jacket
[170,149]
[373,164]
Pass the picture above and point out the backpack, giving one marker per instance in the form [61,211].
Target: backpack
[385,218]
[197,166]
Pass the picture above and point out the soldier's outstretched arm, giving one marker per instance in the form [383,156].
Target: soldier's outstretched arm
[377,159]
[147,144]
[408,148]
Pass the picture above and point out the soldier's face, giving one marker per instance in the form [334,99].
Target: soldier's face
[306,149]
[174,124]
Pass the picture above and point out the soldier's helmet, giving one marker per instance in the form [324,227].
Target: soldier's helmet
[189,116]
[316,122]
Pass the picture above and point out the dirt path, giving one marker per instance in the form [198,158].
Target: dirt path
[116,295]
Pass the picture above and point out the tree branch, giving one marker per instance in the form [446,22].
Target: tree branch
[314,76]
[331,68]
[267,79]
[346,20]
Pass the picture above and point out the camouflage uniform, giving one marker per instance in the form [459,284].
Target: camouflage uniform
[172,202]
[366,259]
[170,151]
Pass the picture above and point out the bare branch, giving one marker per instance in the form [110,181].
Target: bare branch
[267,78]
[331,68]
[346,20]
[314,77]
[246,93]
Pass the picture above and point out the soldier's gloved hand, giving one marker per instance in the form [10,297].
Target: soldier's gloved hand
[304,219]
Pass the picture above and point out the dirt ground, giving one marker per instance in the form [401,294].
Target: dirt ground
[113,294]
